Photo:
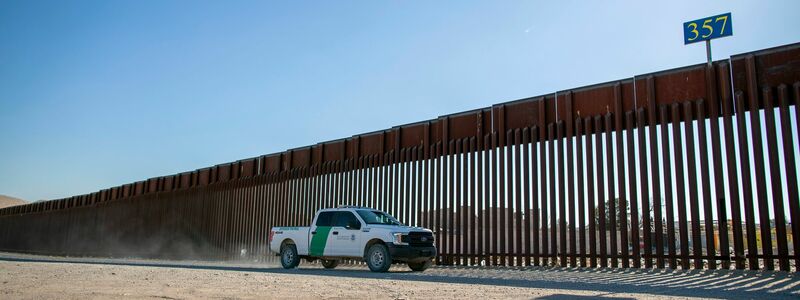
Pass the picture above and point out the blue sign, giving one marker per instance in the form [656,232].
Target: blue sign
[707,29]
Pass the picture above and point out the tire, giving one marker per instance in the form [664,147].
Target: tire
[378,258]
[420,266]
[329,263]
[289,257]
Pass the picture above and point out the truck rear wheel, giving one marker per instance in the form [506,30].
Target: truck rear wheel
[330,263]
[420,266]
[289,257]
[378,258]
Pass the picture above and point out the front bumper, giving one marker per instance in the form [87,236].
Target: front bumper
[407,253]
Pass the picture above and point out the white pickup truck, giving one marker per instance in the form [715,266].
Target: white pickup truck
[351,232]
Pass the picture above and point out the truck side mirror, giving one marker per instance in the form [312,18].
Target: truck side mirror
[353,225]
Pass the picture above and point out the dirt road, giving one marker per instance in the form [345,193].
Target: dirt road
[41,277]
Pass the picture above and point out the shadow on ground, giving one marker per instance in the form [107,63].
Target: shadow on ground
[730,284]
[573,297]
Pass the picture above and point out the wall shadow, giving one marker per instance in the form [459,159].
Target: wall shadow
[572,297]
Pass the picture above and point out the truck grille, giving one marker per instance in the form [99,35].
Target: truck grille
[416,238]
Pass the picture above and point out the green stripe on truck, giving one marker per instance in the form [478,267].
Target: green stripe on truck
[319,240]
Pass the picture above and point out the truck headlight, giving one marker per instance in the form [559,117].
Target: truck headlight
[398,239]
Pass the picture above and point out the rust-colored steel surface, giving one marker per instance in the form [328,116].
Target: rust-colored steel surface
[693,167]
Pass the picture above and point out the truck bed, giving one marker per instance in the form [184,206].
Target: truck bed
[297,234]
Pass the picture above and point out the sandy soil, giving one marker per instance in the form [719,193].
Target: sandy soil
[40,277]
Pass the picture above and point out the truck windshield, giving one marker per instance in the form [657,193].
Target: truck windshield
[377,217]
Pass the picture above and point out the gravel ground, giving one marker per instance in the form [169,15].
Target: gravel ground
[44,277]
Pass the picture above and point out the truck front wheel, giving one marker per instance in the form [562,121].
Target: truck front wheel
[289,257]
[378,258]
[420,266]
[330,263]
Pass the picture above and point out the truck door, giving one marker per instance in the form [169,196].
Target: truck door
[346,234]
[319,234]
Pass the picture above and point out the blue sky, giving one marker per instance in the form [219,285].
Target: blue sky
[95,94]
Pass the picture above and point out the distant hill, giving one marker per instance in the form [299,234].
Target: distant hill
[6,201]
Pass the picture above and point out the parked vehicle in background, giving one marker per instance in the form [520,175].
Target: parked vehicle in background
[352,232]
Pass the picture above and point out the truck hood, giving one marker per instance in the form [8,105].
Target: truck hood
[396,228]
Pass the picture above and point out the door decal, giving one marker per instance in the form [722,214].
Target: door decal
[318,241]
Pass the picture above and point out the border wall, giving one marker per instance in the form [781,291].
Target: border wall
[694,167]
